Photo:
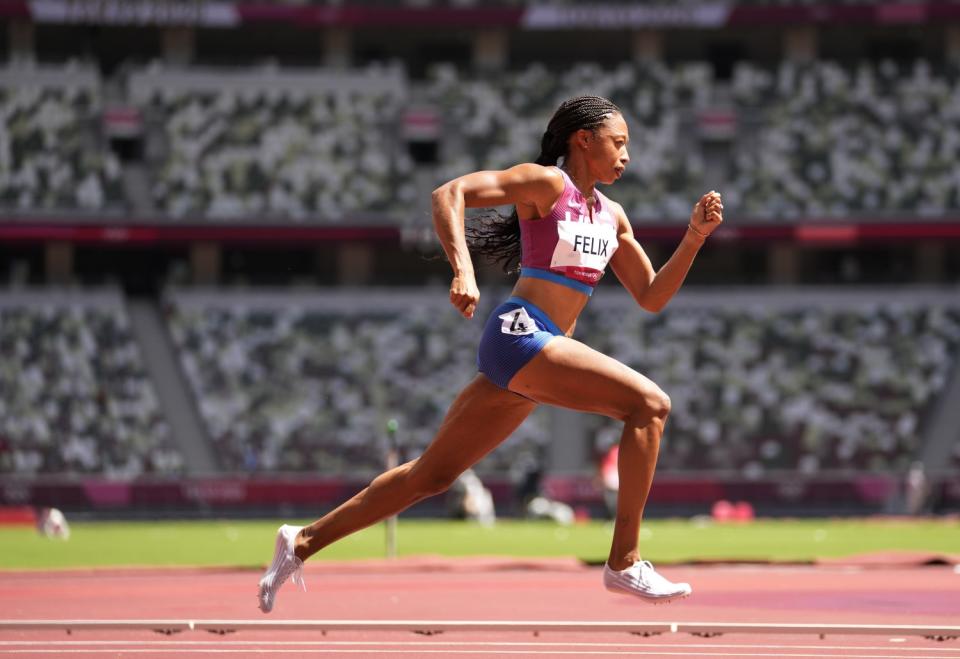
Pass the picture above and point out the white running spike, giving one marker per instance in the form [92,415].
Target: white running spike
[284,564]
[643,581]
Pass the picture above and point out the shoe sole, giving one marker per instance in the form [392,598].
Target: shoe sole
[279,546]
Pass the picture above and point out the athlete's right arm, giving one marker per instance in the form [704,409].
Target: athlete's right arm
[532,188]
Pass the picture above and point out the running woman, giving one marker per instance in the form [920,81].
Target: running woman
[563,232]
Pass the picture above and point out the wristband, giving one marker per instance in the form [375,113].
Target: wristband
[702,235]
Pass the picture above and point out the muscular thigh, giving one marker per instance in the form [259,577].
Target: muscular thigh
[480,418]
[571,374]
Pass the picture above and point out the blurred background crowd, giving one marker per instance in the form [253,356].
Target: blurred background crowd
[217,260]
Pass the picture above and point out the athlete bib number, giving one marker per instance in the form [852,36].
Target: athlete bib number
[583,245]
[517,322]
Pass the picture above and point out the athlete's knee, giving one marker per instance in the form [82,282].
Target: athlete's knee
[651,404]
[660,404]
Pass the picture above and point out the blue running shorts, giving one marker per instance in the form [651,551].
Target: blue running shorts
[515,332]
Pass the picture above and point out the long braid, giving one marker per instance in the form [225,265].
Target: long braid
[497,237]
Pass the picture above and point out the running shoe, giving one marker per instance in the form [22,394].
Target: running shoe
[641,580]
[284,564]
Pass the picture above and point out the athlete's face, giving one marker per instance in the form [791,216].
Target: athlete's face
[606,149]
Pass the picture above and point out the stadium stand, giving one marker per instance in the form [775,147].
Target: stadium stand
[74,397]
[295,382]
[818,139]
[809,384]
[835,141]
[51,155]
[187,149]
[277,144]
[298,382]
[822,140]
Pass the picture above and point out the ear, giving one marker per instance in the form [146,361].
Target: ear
[582,137]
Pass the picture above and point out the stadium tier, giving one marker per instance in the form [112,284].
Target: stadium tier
[835,141]
[52,158]
[274,144]
[798,141]
[289,382]
[298,382]
[758,383]
[74,396]
[824,143]
[807,385]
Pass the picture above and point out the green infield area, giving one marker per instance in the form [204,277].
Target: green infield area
[250,543]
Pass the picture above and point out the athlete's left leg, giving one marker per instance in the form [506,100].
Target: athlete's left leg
[480,418]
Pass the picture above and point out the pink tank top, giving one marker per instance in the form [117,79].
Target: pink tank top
[567,246]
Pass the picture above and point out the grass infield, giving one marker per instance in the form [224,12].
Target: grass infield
[250,543]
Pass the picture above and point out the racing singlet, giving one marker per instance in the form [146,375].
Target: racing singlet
[567,246]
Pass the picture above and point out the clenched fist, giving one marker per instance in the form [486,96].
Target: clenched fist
[707,214]
[464,294]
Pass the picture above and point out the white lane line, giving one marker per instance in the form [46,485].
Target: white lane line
[422,651]
[446,643]
[485,625]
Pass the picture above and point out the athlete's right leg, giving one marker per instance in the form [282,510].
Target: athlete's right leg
[481,417]
[570,374]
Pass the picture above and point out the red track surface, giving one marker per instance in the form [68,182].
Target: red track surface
[558,592]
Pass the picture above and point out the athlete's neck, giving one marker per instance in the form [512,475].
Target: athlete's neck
[581,179]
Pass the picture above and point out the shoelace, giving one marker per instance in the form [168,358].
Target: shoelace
[646,574]
[649,575]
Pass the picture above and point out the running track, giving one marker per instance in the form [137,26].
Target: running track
[478,591]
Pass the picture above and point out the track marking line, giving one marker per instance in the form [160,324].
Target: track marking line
[423,651]
[492,644]
[484,625]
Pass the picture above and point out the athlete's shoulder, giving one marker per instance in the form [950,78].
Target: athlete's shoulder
[531,171]
[544,185]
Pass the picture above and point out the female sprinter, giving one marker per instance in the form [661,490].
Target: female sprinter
[564,233]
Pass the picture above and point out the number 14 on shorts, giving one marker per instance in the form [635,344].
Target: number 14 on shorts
[517,321]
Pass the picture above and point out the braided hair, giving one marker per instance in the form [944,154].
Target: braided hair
[497,237]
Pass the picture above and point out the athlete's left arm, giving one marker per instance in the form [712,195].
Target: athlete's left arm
[652,289]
